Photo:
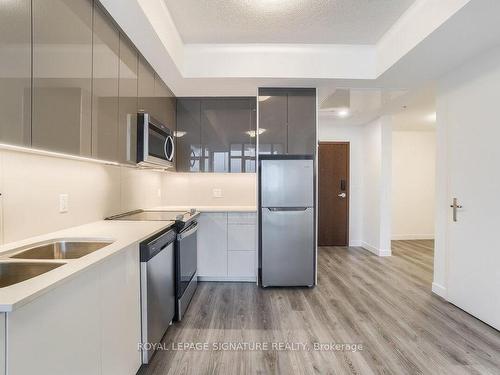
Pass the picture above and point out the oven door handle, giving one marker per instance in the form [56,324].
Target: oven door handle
[188,232]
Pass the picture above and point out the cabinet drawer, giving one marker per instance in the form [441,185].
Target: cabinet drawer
[241,263]
[242,218]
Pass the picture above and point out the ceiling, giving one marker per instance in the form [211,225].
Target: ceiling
[412,110]
[285,21]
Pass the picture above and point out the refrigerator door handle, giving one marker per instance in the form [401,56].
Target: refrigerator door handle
[278,209]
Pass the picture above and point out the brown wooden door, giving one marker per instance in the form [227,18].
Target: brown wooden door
[333,194]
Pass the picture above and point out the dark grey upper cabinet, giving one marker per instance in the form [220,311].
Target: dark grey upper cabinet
[146,87]
[15,72]
[188,135]
[302,122]
[287,121]
[228,134]
[273,121]
[62,75]
[216,134]
[106,63]
[127,102]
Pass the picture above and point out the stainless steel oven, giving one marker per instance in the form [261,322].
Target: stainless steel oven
[186,266]
[155,143]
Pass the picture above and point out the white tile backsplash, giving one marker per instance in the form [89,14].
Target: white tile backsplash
[197,189]
[31,185]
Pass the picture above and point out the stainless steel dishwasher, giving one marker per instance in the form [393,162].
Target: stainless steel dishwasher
[157,289]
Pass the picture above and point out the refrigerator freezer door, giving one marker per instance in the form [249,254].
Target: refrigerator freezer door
[287,183]
[288,247]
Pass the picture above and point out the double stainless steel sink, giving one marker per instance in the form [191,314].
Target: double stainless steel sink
[13,272]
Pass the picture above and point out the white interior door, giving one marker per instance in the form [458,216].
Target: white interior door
[473,121]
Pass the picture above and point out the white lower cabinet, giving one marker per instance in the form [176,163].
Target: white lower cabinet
[227,246]
[120,313]
[241,264]
[212,245]
[87,325]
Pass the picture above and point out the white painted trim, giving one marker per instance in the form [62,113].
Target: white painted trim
[238,279]
[356,243]
[439,290]
[409,237]
[376,251]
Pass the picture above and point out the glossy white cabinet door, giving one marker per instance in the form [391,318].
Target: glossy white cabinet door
[121,315]
[212,244]
[241,237]
[57,333]
[241,265]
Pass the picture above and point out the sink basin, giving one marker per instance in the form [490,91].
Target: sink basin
[13,273]
[62,250]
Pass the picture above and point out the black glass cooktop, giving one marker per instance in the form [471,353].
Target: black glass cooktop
[141,215]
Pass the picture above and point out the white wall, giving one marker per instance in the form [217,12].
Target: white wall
[413,184]
[196,189]
[376,186]
[329,130]
[31,184]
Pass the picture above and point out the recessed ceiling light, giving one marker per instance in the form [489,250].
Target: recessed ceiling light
[431,117]
[343,113]
[252,133]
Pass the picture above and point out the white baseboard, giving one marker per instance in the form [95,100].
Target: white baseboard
[355,243]
[439,290]
[376,251]
[403,237]
[228,279]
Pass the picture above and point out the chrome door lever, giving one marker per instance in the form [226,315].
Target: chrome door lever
[342,195]
[455,207]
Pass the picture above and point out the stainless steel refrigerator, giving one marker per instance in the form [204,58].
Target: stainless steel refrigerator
[287,220]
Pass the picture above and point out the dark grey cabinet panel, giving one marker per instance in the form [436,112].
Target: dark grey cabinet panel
[165,106]
[15,72]
[228,135]
[302,122]
[273,121]
[146,87]
[106,62]
[216,134]
[127,102]
[62,75]
[287,121]
[188,136]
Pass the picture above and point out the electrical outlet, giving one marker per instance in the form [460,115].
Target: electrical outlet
[217,193]
[63,203]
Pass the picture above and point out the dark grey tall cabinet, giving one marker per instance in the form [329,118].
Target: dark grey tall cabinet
[287,121]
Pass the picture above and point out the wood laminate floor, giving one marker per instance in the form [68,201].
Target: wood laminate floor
[384,304]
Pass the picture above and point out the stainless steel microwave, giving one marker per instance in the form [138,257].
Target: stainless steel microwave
[155,143]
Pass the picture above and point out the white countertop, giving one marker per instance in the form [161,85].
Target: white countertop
[206,208]
[123,233]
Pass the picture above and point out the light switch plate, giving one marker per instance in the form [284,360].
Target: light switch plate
[217,193]
[63,203]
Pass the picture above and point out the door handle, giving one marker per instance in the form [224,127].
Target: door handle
[455,207]
[342,195]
